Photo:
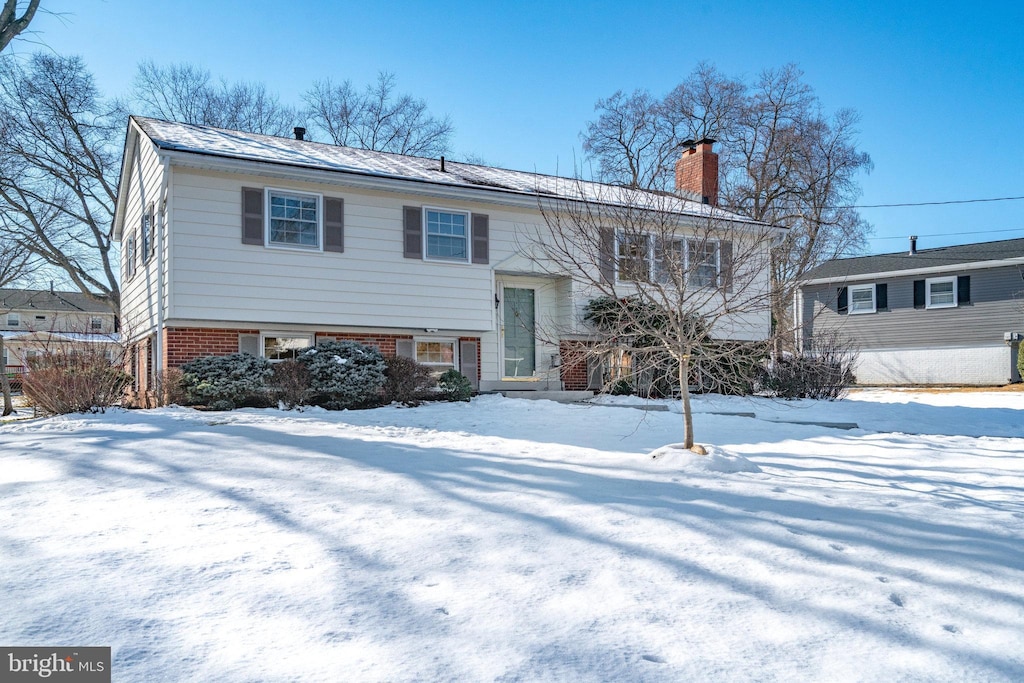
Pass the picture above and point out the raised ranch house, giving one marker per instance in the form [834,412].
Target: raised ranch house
[234,241]
[950,315]
[34,322]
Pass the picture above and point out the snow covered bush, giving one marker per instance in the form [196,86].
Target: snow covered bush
[454,386]
[344,374]
[225,382]
[78,381]
[407,381]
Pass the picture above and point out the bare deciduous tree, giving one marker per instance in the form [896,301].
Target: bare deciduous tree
[187,93]
[377,118]
[59,163]
[14,263]
[11,24]
[662,283]
[783,161]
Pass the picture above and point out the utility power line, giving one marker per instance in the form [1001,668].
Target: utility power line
[943,203]
[950,234]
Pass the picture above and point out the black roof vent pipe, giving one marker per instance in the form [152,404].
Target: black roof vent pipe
[300,133]
[913,244]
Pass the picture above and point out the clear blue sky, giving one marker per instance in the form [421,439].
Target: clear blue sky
[939,86]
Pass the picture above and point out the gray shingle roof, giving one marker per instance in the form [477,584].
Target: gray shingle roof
[45,300]
[924,258]
[315,155]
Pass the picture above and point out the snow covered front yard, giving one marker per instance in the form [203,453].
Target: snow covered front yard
[509,540]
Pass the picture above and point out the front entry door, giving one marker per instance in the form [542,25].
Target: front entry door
[520,332]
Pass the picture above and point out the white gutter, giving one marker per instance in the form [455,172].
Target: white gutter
[930,270]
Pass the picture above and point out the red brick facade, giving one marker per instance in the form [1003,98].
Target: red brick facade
[573,370]
[184,344]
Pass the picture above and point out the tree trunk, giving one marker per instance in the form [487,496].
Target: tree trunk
[5,384]
[684,389]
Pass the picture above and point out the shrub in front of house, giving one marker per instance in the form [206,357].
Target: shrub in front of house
[344,374]
[289,383]
[1020,362]
[407,381]
[813,376]
[74,382]
[454,386]
[226,382]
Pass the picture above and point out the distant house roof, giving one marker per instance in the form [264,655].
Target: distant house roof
[985,254]
[218,142]
[46,300]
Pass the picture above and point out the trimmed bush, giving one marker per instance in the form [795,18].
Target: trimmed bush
[808,377]
[225,382]
[407,381]
[79,382]
[454,386]
[344,374]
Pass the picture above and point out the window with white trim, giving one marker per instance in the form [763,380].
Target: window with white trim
[96,324]
[13,320]
[438,354]
[862,299]
[294,220]
[446,235]
[940,292]
[277,347]
[633,257]
[703,262]
[669,259]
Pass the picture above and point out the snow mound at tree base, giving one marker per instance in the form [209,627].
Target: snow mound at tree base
[678,456]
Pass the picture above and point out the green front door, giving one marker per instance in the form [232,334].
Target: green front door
[520,332]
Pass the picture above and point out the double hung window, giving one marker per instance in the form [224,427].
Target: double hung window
[293,219]
[447,235]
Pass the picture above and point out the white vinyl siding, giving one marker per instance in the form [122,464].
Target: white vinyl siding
[862,299]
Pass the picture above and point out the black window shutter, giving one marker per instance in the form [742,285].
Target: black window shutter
[252,215]
[881,297]
[919,300]
[963,290]
[412,231]
[334,224]
[843,301]
[481,238]
[606,257]
[725,265]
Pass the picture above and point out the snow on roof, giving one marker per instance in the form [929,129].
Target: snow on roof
[207,140]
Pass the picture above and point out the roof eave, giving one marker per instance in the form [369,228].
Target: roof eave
[929,270]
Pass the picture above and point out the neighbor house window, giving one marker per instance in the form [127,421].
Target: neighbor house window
[862,299]
[447,235]
[703,267]
[438,354]
[293,219]
[13,320]
[96,324]
[940,292]
[278,347]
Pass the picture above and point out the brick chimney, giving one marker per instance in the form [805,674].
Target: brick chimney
[697,171]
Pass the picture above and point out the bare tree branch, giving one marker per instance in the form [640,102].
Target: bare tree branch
[11,24]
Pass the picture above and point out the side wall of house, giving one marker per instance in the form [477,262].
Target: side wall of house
[907,345]
[139,290]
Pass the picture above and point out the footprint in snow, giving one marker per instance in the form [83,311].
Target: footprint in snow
[653,658]
[797,532]
[838,548]
[442,610]
[779,489]
[892,505]
[896,599]
[952,628]
[883,579]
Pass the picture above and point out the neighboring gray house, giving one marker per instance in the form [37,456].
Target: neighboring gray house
[950,315]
